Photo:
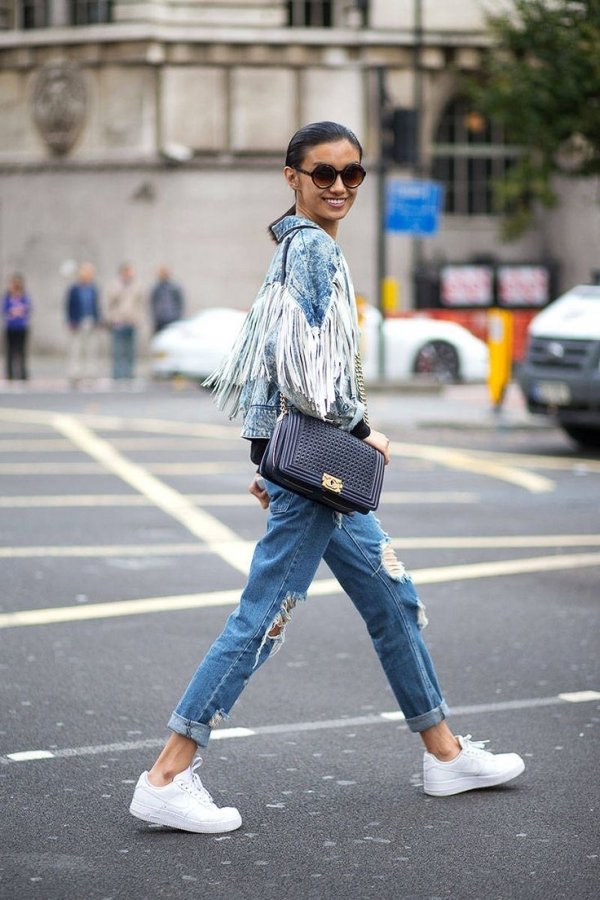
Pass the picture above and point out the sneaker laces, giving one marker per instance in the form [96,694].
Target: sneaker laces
[469,744]
[195,788]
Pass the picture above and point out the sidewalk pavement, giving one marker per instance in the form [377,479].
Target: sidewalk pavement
[416,404]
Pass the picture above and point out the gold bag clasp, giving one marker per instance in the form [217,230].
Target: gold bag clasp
[331,483]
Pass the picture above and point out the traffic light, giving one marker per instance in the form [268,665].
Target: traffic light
[399,135]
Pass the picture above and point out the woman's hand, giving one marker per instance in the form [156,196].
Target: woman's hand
[378,440]
[257,489]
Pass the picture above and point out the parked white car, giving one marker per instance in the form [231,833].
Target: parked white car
[420,346]
[413,346]
[195,347]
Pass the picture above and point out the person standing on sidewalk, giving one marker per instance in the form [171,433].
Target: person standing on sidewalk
[301,340]
[124,310]
[83,318]
[16,313]
[166,300]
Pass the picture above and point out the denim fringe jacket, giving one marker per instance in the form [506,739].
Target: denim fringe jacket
[300,338]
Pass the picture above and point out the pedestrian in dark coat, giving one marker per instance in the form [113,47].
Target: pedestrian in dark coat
[166,300]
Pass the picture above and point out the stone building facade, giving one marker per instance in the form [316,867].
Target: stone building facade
[154,131]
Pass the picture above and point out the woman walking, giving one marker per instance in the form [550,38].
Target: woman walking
[300,341]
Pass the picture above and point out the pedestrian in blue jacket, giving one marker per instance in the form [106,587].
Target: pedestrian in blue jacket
[16,313]
[83,317]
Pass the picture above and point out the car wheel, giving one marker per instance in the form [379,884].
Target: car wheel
[439,359]
[586,437]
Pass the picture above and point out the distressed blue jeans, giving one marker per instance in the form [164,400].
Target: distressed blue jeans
[299,534]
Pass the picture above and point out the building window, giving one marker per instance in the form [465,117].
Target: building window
[33,14]
[91,12]
[470,153]
[310,13]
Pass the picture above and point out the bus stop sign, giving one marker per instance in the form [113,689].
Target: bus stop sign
[413,207]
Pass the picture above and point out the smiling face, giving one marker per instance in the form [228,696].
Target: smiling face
[325,206]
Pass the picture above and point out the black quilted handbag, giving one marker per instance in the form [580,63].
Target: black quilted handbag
[320,461]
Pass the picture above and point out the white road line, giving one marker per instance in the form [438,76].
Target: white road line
[118,608]
[575,464]
[296,728]
[118,423]
[34,445]
[468,462]
[390,498]
[324,587]
[201,524]
[448,457]
[416,543]
[35,467]
[41,501]
[51,468]
[190,443]
[106,550]
[580,696]
[497,542]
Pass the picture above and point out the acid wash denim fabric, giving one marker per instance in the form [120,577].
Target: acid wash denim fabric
[299,534]
[300,338]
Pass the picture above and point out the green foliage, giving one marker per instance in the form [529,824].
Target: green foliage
[541,80]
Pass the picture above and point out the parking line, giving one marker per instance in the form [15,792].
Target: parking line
[105,550]
[448,457]
[493,542]
[298,727]
[389,498]
[562,463]
[323,587]
[87,468]
[201,524]
[468,462]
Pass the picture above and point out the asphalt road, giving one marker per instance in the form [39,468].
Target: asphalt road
[126,530]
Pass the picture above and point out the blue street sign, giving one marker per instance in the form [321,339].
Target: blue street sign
[413,207]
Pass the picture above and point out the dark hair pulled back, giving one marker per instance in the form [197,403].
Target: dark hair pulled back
[310,136]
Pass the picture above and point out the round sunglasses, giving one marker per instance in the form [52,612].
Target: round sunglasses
[324,176]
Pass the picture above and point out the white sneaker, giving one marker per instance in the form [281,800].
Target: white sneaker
[183,804]
[474,767]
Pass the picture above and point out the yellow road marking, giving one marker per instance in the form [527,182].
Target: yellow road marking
[34,445]
[201,524]
[105,550]
[441,574]
[414,543]
[198,468]
[448,457]
[467,462]
[50,468]
[119,423]
[530,461]
[41,501]
[86,468]
[580,696]
[390,498]
[57,445]
[497,541]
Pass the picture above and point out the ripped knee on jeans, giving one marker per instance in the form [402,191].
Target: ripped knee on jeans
[276,630]
[390,562]
[396,570]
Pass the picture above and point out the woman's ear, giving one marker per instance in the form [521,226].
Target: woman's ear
[291,176]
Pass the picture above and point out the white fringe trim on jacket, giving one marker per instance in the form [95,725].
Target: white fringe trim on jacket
[308,360]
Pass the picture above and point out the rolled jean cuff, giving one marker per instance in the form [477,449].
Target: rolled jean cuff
[428,719]
[197,731]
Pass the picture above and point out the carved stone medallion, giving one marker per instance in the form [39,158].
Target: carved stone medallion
[59,104]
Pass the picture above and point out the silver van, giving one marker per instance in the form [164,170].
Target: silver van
[560,376]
